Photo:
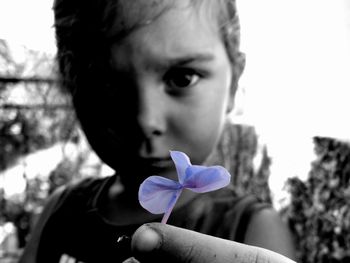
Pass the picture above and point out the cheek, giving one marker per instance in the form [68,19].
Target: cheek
[199,126]
[213,104]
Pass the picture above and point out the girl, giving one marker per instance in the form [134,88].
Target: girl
[146,77]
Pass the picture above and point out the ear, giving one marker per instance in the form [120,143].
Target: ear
[237,70]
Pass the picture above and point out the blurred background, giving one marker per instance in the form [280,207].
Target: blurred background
[292,106]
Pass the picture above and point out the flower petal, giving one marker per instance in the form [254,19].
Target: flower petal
[156,193]
[208,179]
[193,169]
[181,161]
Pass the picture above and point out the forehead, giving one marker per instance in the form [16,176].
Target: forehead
[124,16]
[178,36]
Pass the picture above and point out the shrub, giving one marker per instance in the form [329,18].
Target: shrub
[319,213]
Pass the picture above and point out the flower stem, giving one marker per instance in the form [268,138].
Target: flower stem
[171,206]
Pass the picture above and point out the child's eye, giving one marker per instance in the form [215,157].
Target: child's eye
[181,78]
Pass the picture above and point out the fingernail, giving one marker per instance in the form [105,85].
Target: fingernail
[145,239]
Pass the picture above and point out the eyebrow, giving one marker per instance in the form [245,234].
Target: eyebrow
[200,57]
[168,62]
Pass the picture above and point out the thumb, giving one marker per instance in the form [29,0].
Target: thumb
[158,242]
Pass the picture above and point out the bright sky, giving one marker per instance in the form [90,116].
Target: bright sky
[297,79]
[28,22]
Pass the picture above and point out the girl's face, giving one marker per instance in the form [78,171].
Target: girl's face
[170,89]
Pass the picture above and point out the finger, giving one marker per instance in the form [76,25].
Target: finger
[157,242]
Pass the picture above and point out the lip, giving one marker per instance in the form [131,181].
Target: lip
[157,162]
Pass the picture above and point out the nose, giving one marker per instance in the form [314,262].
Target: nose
[151,115]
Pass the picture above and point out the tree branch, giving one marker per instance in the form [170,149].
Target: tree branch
[8,106]
[28,80]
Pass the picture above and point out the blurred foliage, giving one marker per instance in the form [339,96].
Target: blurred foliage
[19,61]
[24,131]
[247,160]
[319,213]
[34,115]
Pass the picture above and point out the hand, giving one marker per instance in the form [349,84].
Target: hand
[158,242]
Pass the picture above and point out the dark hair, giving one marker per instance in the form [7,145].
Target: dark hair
[81,30]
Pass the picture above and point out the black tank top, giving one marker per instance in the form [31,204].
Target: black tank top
[74,228]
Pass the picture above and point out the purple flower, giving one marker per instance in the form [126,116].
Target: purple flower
[158,195]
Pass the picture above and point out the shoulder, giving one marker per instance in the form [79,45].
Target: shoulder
[266,229]
[57,204]
[89,187]
[73,192]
